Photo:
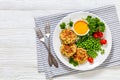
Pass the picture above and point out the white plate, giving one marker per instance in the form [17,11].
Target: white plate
[87,66]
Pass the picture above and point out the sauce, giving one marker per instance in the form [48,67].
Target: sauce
[81,27]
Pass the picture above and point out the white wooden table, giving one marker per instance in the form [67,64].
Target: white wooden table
[18,58]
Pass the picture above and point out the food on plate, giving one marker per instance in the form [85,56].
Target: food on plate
[80,56]
[70,23]
[83,41]
[98,35]
[68,50]
[95,25]
[90,59]
[103,41]
[92,45]
[62,25]
[81,27]
[68,36]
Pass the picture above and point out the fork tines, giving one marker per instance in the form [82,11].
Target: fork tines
[38,32]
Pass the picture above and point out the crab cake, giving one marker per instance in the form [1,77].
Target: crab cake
[67,36]
[68,50]
[80,56]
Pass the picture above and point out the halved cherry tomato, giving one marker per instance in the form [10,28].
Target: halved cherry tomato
[100,34]
[103,41]
[95,35]
[90,59]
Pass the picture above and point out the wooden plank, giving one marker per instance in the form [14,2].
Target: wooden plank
[53,4]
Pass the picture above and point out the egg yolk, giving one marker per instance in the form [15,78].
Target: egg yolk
[81,27]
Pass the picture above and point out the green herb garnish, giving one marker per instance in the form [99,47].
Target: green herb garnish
[62,25]
[101,26]
[71,61]
[95,24]
[70,23]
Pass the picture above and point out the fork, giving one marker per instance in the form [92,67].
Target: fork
[51,59]
[42,40]
[47,34]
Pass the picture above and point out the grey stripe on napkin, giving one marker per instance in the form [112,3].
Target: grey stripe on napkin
[107,13]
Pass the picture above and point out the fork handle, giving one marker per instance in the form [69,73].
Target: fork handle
[49,55]
[49,42]
[46,47]
[54,61]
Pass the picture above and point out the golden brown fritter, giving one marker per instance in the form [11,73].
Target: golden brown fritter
[80,56]
[67,36]
[68,50]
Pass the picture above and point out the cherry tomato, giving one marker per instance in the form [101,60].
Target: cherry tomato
[103,41]
[95,35]
[90,60]
[100,34]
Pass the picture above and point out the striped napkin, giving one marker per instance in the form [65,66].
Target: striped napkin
[107,13]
